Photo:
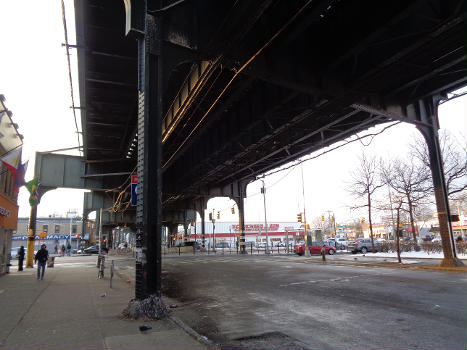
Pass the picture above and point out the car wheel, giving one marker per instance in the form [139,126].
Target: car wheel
[331,252]
[364,250]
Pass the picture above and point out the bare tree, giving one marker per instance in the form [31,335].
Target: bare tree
[365,182]
[409,179]
[454,160]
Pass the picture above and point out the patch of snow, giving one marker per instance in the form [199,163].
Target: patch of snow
[418,255]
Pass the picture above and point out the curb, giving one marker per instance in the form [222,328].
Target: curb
[393,265]
[191,332]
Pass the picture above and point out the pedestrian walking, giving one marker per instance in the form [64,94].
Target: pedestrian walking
[56,249]
[68,249]
[63,250]
[41,258]
[20,258]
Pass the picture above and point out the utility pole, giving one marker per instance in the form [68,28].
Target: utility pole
[263,191]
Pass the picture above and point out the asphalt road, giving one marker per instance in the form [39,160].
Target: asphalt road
[251,302]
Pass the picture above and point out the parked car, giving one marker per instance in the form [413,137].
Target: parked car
[261,245]
[315,248]
[342,243]
[362,245]
[222,244]
[93,250]
[14,253]
[197,245]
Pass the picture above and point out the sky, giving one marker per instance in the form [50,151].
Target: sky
[34,80]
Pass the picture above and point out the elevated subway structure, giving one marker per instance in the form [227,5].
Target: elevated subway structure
[203,96]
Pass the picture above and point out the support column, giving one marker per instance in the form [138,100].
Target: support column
[429,114]
[148,211]
[84,221]
[241,224]
[202,210]
[31,237]
[173,229]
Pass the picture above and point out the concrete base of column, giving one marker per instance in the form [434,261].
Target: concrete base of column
[451,262]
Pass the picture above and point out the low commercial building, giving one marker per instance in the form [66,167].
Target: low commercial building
[10,140]
[51,231]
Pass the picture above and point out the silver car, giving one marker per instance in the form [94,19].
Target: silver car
[361,245]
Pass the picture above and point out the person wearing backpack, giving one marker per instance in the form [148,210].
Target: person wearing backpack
[41,258]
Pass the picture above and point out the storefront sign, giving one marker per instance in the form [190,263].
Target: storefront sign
[37,237]
[257,227]
[4,212]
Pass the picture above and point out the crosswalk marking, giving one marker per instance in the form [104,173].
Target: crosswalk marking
[214,260]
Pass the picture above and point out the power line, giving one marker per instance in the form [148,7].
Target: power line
[67,48]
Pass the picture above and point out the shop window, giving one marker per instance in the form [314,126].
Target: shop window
[74,228]
[57,228]
[45,228]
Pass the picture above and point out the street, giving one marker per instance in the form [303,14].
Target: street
[244,302]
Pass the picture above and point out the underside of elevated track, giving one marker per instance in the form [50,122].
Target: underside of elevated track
[199,97]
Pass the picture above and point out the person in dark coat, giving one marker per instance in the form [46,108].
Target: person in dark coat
[20,258]
[63,250]
[41,258]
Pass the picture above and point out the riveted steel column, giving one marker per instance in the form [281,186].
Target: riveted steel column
[429,113]
[203,224]
[148,210]
[241,215]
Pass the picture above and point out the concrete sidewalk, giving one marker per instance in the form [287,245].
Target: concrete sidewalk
[68,310]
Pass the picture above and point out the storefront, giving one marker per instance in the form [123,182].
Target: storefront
[8,222]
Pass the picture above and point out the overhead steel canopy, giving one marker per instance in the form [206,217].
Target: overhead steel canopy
[251,85]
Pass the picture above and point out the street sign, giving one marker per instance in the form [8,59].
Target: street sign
[134,190]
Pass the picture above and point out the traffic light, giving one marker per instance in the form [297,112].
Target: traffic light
[210,216]
[363,220]
[233,210]
[299,217]
[218,215]
[307,226]
[322,217]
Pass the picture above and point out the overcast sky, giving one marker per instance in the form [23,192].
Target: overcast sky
[34,80]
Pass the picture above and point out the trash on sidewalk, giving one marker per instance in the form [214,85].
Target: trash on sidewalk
[51,261]
[173,306]
[103,295]
[144,327]
[152,308]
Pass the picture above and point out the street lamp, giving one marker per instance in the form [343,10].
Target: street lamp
[263,191]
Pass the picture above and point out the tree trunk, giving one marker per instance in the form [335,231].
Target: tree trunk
[398,248]
[369,221]
[412,222]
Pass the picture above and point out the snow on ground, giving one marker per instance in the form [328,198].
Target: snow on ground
[417,255]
